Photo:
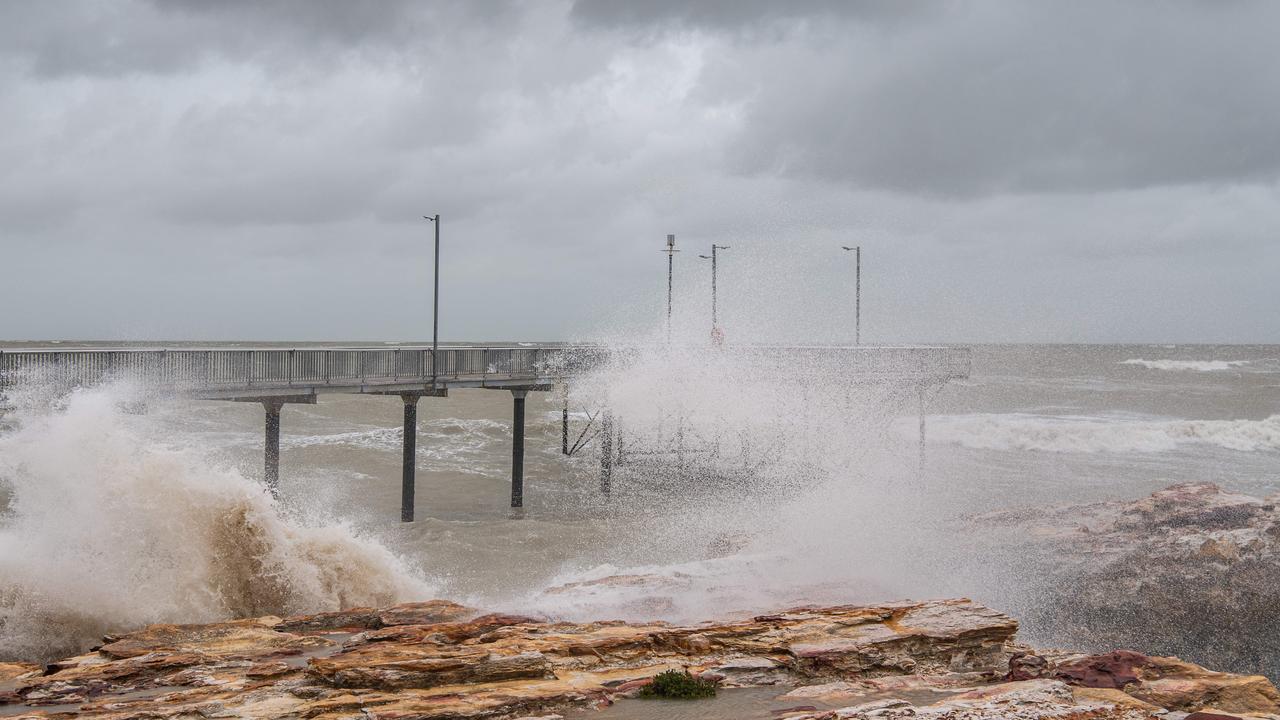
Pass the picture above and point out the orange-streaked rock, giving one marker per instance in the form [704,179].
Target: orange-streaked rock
[455,665]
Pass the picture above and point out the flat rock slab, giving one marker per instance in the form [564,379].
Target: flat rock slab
[441,660]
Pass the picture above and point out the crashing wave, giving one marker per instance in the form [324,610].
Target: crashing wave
[108,530]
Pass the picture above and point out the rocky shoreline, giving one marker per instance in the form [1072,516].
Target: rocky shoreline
[1190,570]
[439,660]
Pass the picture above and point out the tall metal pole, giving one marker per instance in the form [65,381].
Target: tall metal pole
[858,297]
[435,306]
[671,254]
[435,303]
[714,322]
[857,292]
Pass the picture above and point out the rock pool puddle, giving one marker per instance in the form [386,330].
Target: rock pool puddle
[757,703]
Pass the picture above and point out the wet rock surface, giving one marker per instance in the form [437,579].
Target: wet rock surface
[1190,570]
[441,660]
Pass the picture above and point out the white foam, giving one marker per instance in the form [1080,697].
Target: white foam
[461,445]
[1047,433]
[110,530]
[1185,365]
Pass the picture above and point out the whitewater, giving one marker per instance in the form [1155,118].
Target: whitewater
[1067,434]
[107,529]
[1194,365]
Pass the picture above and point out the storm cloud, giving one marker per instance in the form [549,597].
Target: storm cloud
[1015,171]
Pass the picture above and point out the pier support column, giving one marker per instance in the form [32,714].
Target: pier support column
[922,409]
[271,447]
[564,424]
[517,448]
[409,463]
[606,452]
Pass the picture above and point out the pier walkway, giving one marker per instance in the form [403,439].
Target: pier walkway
[276,376]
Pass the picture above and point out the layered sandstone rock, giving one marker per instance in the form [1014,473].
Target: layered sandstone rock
[440,660]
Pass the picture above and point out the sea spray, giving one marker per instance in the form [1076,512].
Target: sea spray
[749,478]
[110,528]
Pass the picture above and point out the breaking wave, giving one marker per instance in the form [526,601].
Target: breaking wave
[1196,365]
[1093,435]
[108,529]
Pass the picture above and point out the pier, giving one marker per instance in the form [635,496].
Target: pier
[276,377]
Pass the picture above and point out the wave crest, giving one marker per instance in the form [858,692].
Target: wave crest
[1094,435]
[109,530]
[1184,365]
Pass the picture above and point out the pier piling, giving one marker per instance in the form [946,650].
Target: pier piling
[408,456]
[923,409]
[564,424]
[271,447]
[606,452]
[408,477]
[517,448]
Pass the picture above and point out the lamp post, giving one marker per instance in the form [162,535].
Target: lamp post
[671,253]
[712,257]
[435,301]
[857,293]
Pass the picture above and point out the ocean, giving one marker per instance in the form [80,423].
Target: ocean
[120,507]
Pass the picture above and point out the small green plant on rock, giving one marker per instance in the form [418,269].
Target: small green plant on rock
[678,685]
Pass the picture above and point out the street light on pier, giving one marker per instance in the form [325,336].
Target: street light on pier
[715,325]
[857,293]
[671,253]
[435,300]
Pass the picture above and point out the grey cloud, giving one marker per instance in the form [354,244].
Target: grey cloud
[73,38]
[1023,98]
[1014,171]
[736,14]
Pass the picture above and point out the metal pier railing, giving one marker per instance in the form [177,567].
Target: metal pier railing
[277,376]
[196,369]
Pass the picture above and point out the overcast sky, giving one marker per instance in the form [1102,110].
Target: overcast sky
[1014,171]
